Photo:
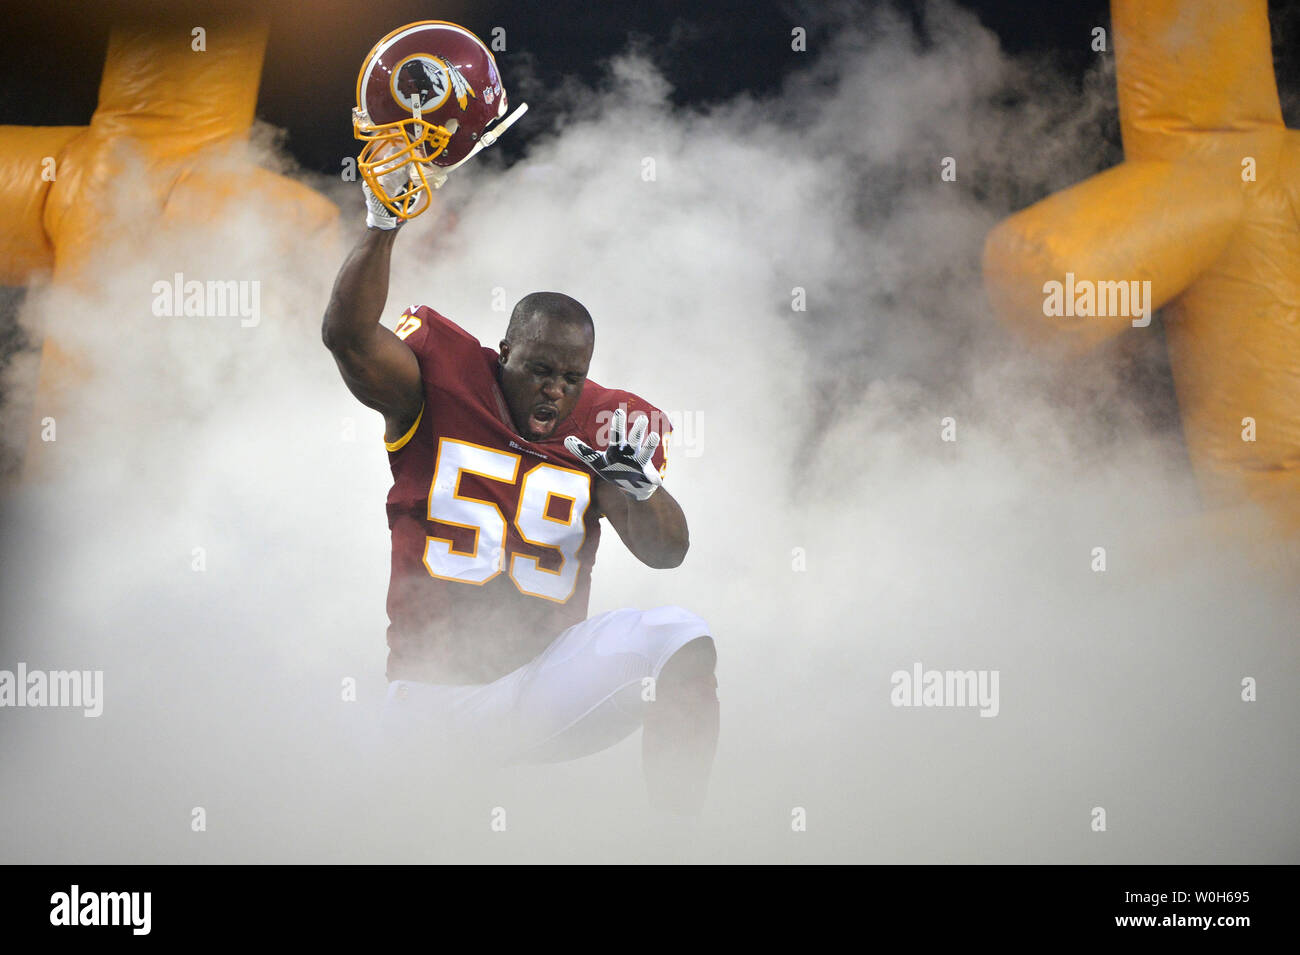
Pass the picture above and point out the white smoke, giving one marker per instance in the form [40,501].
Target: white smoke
[818,440]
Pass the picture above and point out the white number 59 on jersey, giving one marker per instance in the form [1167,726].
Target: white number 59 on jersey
[532,520]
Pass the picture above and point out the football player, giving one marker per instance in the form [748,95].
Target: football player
[504,462]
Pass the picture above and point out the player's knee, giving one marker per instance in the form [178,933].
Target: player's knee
[691,668]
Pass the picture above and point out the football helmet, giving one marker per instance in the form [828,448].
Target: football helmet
[426,94]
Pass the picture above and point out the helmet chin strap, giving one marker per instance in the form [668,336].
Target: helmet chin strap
[437,175]
[490,136]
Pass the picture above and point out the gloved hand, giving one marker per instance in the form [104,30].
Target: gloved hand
[378,215]
[626,462]
[396,184]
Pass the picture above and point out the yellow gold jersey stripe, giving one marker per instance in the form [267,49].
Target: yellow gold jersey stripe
[401,442]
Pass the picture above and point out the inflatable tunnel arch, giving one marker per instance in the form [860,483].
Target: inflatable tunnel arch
[1205,207]
[163,102]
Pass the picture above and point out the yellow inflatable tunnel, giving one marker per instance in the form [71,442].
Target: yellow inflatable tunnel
[1206,209]
[167,94]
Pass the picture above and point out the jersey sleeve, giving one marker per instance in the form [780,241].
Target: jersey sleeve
[432,335]
[445,353]
[410,326]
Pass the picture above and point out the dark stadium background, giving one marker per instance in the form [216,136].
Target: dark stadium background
[710,49]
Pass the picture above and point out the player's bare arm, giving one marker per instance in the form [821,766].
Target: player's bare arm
[377,366]
[654,530]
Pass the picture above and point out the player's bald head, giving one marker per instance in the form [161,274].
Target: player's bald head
[538,311]
[543,361]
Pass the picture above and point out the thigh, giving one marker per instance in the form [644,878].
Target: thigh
[458,724]
[590,688]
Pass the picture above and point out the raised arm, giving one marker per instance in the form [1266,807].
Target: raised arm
[377,366]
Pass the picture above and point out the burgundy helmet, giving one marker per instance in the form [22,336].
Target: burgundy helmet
[425,96]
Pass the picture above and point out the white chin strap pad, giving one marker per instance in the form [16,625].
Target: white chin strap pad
[490,136]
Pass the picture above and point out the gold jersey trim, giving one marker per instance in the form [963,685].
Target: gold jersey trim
[401,442]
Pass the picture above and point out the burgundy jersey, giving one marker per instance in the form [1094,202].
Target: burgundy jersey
[494,536]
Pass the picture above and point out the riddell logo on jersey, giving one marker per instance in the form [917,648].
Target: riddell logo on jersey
[102,908]
[211,299]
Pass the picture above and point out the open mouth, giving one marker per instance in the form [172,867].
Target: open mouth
[542,420]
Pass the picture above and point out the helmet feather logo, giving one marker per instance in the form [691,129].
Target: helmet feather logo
[460,85]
